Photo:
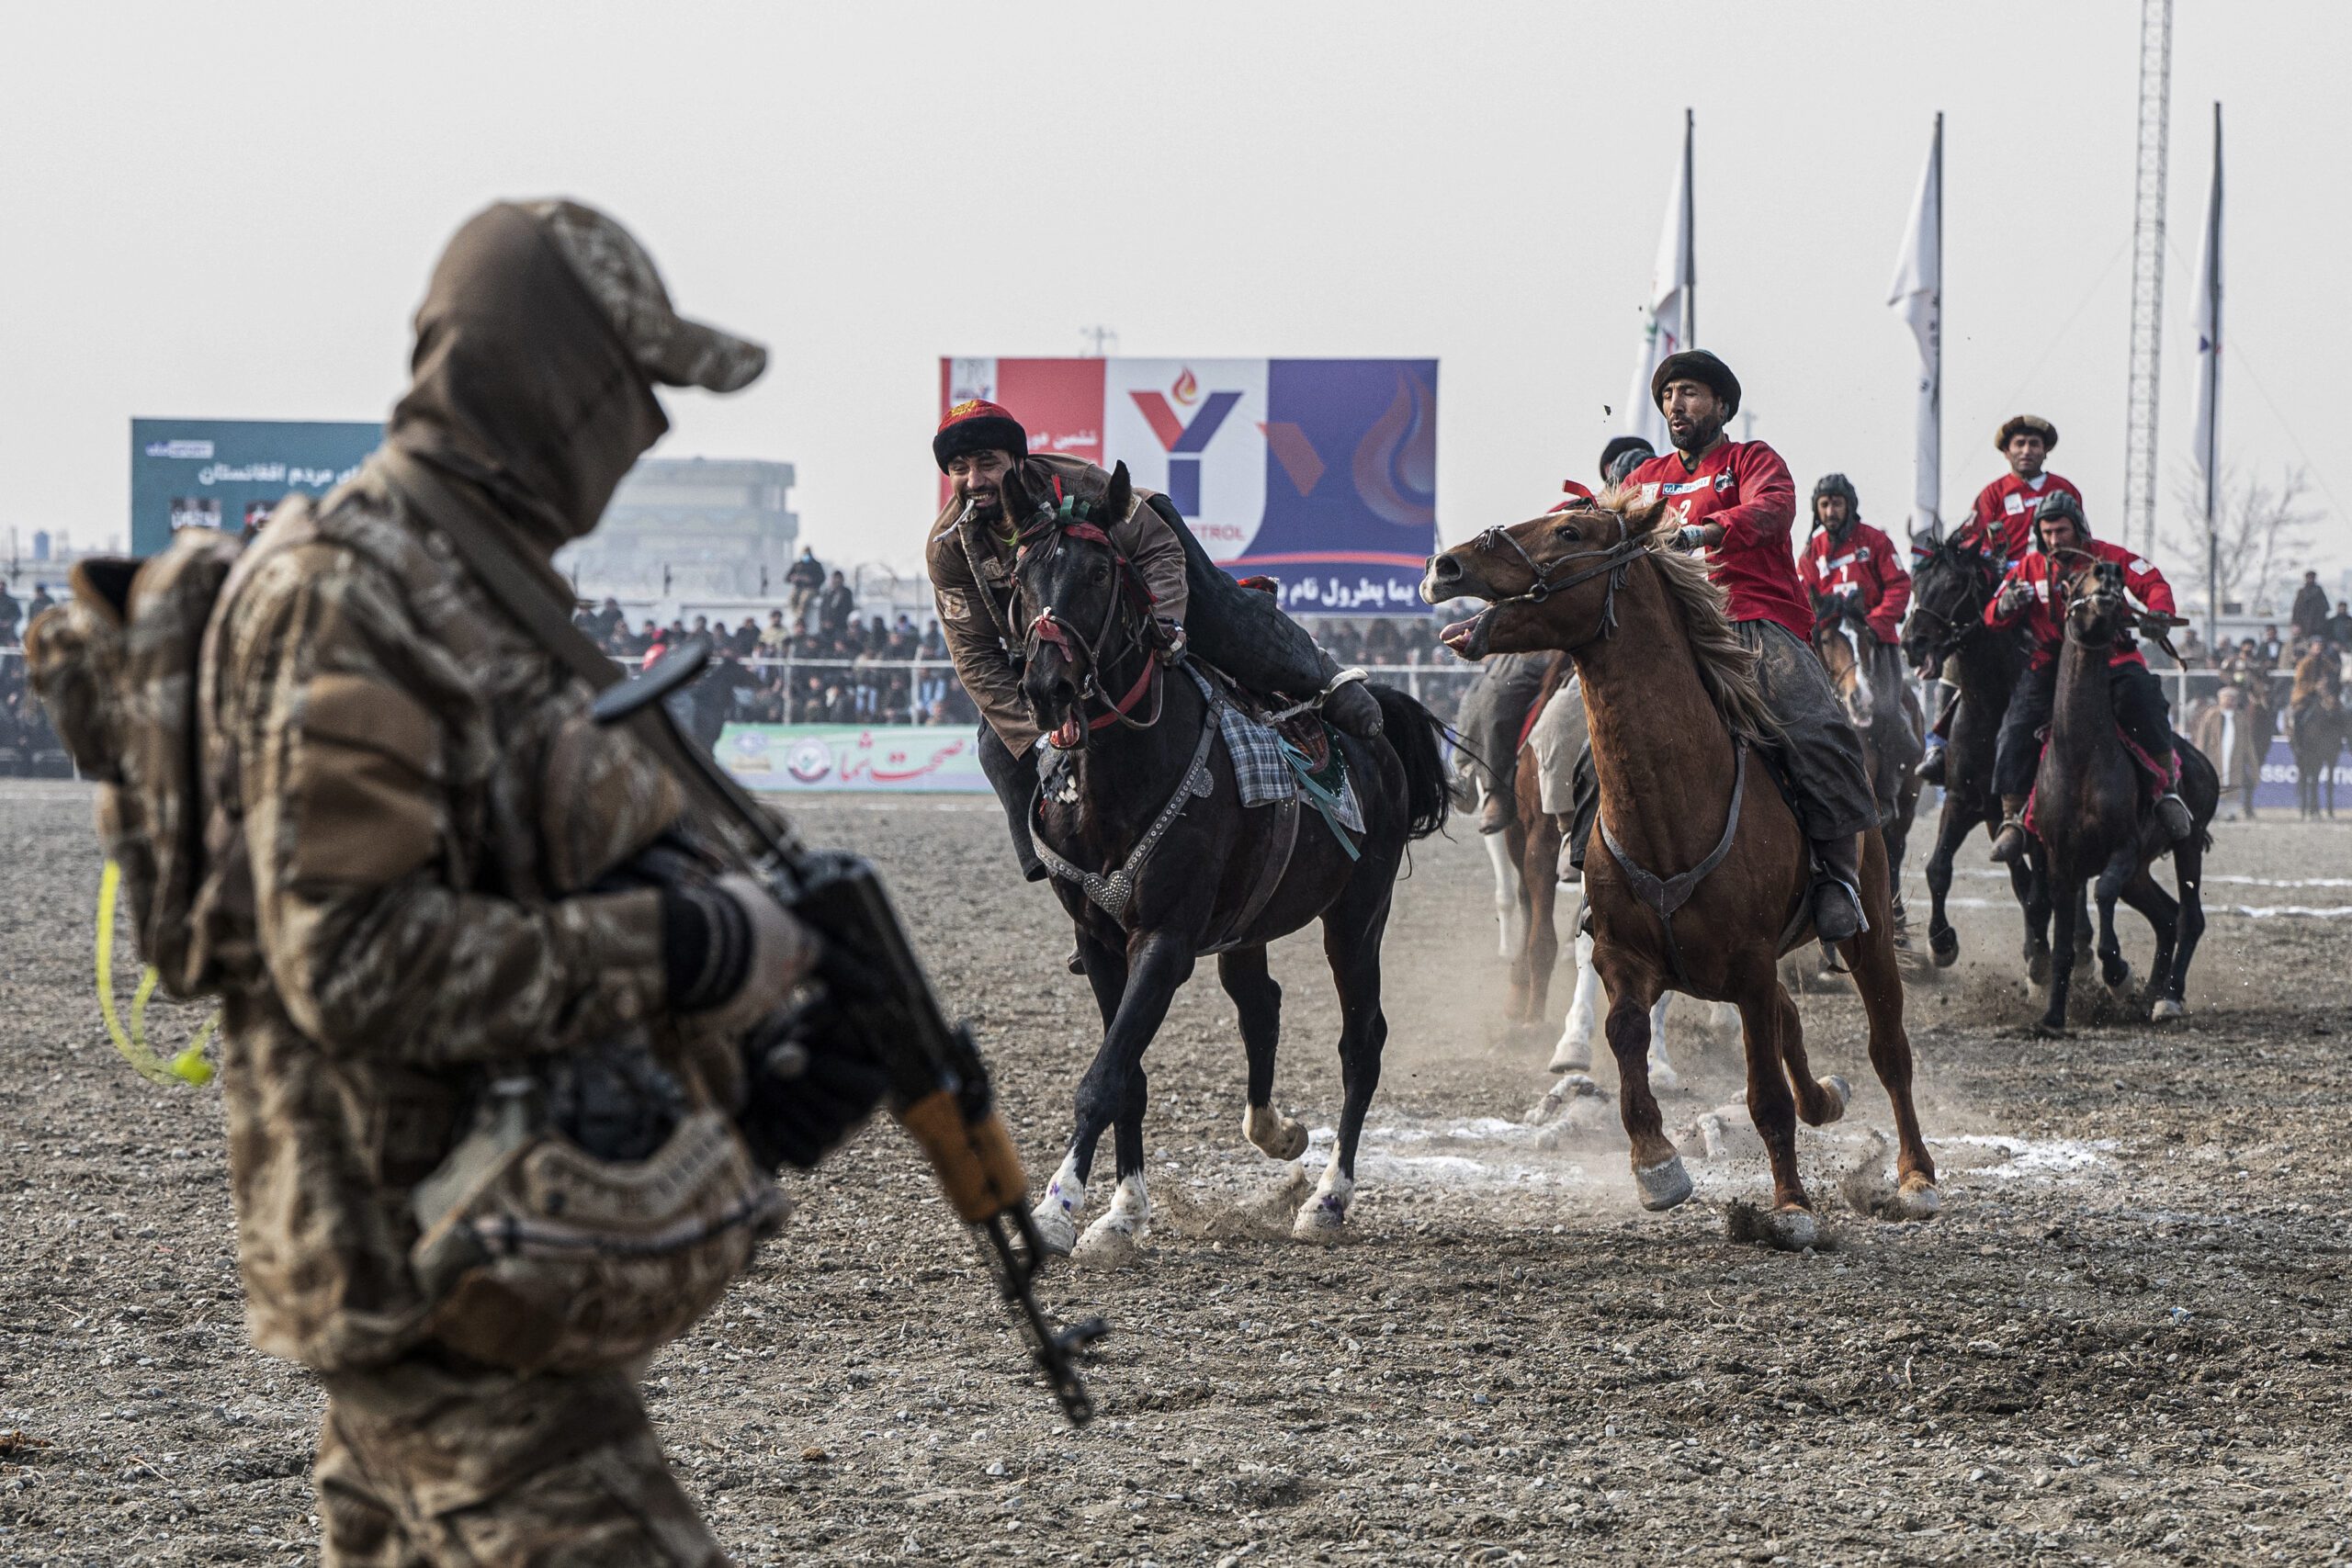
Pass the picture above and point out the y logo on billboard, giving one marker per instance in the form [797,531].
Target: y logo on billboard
[1194,431]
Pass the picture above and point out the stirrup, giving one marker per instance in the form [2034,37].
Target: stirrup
[1931,766]
[2178,822]
[2010,843]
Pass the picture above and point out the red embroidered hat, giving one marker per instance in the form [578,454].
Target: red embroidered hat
[977,425]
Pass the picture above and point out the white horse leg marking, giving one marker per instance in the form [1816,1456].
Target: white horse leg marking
[1509,911]
[1063,1206]
[1662,1072]
[1573,1053]
[1128,1217]
[1327,1211]
[1275,1135]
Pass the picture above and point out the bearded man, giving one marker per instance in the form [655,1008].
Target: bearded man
[1734,501]
[971,553]
[2000,524]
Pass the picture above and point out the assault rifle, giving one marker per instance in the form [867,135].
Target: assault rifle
[879,994]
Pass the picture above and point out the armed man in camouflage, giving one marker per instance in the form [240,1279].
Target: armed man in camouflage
[440,848]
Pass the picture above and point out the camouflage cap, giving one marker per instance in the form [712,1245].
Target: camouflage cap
[622,279]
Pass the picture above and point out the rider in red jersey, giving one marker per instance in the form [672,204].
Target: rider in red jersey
[1734,501]
[2000,524]
[1848,560]
[2034,595]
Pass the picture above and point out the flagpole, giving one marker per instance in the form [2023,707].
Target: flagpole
[2212,398]
[1691,237]
[1935,442]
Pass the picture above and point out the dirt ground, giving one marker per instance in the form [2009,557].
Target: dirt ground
[2127,1338]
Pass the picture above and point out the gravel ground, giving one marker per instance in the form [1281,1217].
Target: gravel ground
[2126,1339]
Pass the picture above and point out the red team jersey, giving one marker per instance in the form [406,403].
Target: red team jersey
[2044,612]
[1744,486]
[1863,562]
[2001,523]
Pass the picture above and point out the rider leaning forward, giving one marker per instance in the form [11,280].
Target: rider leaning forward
[971,553]
[2000,527]
[2034,594]
[1735,501]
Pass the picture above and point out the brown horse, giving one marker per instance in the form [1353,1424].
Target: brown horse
[1674,710]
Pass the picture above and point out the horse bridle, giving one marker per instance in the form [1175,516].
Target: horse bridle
[1612,560]
[1047,626]
[1954,630]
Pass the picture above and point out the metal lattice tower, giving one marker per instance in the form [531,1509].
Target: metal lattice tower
[2147,276]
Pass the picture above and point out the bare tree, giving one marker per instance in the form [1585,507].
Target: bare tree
[2264,530]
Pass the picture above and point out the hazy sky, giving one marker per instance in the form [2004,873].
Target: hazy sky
[230,210]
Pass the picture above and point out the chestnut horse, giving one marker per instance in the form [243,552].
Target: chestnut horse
[1671,700]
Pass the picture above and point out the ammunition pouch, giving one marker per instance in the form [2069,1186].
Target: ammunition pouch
[539,1255]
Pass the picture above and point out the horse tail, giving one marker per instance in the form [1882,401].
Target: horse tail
[1411,731]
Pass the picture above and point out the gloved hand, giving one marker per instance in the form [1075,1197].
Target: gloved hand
[1691,537]
[730,953]
[1174,642]
[2013,596]
[811,1084]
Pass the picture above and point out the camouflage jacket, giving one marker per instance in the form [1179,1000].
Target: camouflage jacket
[971,582]
[422,804]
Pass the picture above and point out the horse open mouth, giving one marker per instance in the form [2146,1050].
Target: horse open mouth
[1468,639]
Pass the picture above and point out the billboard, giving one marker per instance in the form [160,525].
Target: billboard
[799,758]
[226,473]
[1320,473]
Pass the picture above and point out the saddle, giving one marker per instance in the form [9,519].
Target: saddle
[2154,780]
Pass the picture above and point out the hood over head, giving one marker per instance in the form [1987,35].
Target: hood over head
[541,333]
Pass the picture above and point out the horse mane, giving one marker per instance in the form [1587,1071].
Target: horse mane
[1727,665]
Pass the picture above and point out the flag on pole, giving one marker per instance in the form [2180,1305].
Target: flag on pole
[2208,430]
[1917,295]
[1669,320]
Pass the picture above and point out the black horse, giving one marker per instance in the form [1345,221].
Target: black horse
[1144,804]
[1949,592]
[2093,816]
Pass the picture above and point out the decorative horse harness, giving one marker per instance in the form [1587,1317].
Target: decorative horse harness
[1113,893]
[1661,895]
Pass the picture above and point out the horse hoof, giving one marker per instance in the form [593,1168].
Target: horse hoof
[2046,1030]
[1571,1055]
[2166,1011]
[1945,945]
[2116,987]
[1114,1241]
[1792,1229]
[1321,1220]
[1056,1227]
[1839,1090]
[1663,1077]
[2037,966]
[1274,1134]
[1918,1199]
[1663,1185]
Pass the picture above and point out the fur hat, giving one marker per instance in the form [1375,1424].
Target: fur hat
[2027,424]
[976,425]
[1696,364]
[1621,447]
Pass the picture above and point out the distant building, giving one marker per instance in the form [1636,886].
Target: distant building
[690,528]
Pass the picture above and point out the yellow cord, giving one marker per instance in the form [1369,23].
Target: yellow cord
[190,1066]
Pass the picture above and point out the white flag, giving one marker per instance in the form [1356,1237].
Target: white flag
[1917,295]
[2207,451]
[1666,318]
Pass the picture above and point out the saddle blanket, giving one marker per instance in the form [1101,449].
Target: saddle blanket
[1264,775]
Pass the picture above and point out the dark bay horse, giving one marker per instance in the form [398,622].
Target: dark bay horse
[1890,732]
[1671,701]
[1146,800]
[1949,592]
[2092,816]
[2317,729]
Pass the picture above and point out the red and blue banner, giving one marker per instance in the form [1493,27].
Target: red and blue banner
[1319,473]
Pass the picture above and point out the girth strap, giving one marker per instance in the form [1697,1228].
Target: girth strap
[1663,896]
